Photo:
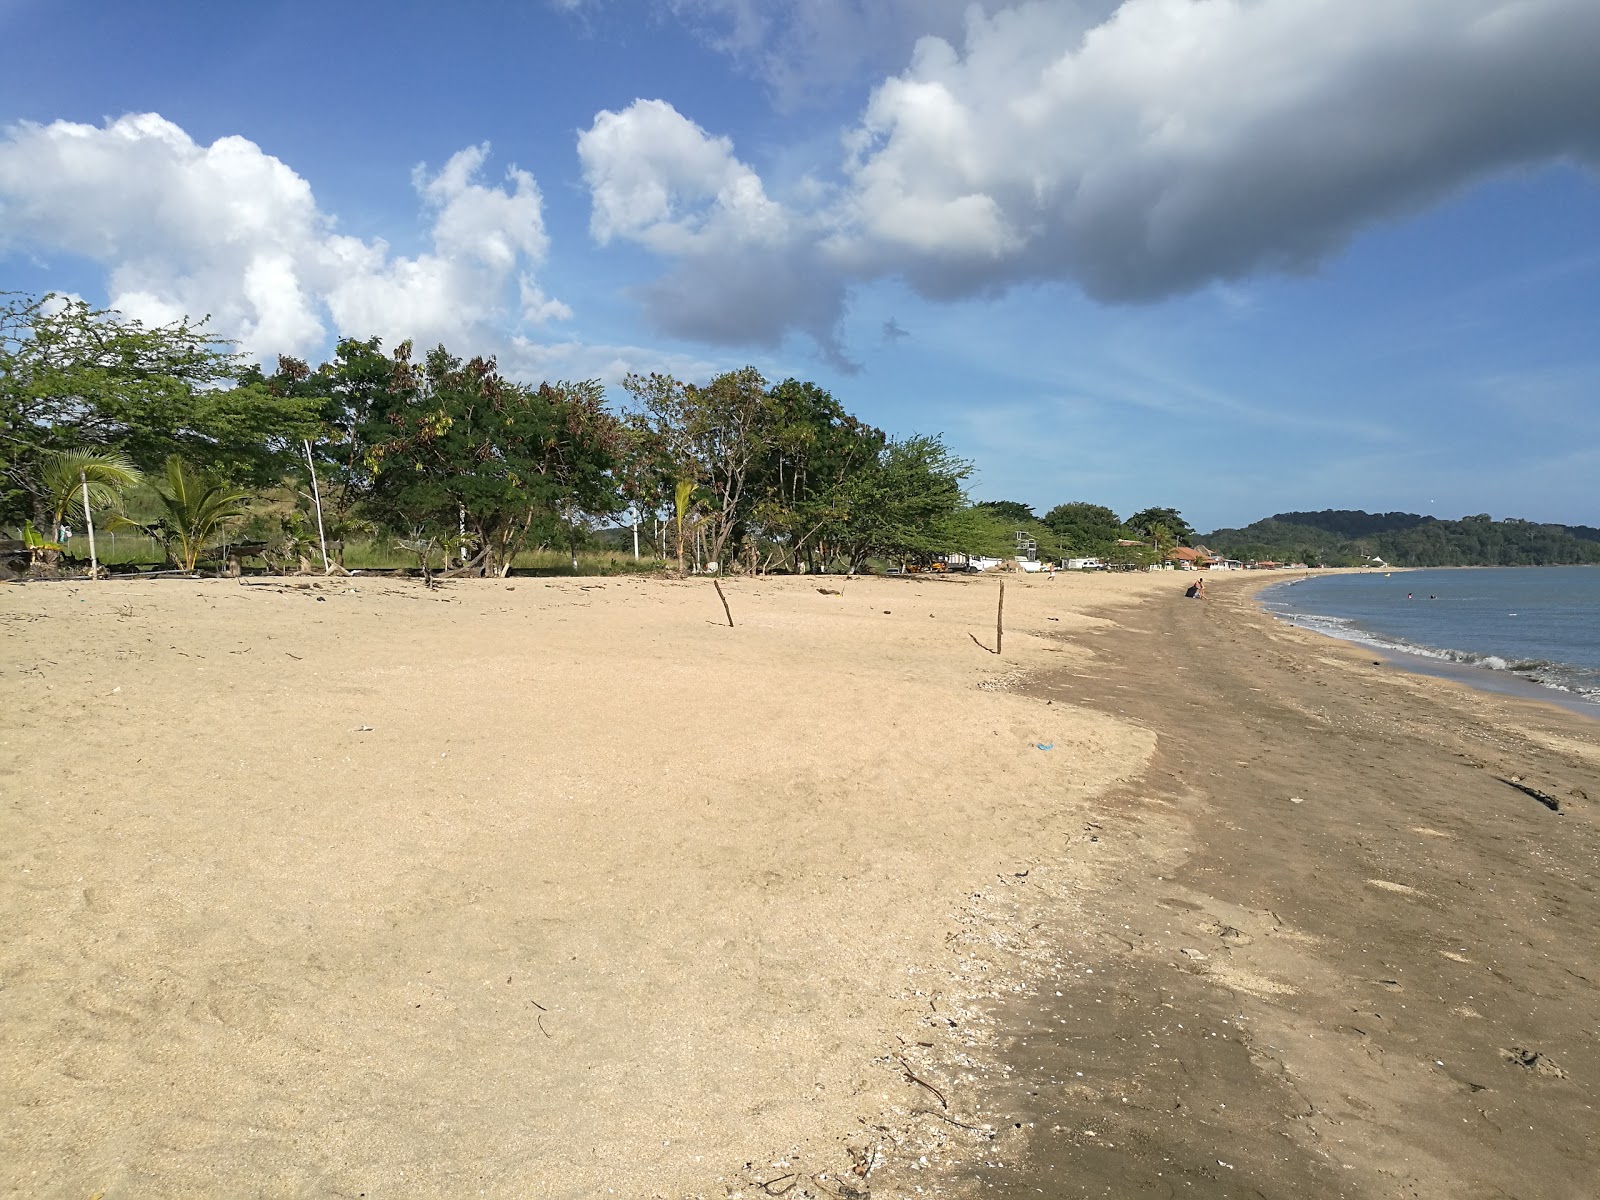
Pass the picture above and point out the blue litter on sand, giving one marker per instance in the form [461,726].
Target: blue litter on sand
[1045,745]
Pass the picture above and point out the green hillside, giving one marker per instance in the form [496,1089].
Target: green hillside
[1350,537]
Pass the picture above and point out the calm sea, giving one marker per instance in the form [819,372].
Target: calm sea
[1534,630]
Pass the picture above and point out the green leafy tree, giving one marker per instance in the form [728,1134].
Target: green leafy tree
[812,449]
[713,435]
[467,447]
[1082,529]
[908,504]
[1161,539]
[1137,554]
[1017,513]
[74,377]
[1148,519]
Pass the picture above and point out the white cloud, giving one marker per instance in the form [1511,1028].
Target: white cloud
[807,50]
[1137,153]
[227,229]
[658,179]
[744,269]
[1178,143]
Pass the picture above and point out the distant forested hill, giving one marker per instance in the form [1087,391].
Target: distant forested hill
[1347,537]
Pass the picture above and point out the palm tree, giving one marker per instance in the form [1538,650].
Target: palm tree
[1160,535]
[197,506]
[64,473]
[681,496]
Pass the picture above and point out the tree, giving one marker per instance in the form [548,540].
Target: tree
[1161,539]
[907,504]
[682,507]
[1084,529]
[1135,555]
[1009,510]
[74,377]
[712,436]
[1147,519]
[465,448]
[812,449]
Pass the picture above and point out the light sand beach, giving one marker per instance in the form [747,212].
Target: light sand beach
[563,888]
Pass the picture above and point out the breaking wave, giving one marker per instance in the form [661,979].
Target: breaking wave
[1561,677]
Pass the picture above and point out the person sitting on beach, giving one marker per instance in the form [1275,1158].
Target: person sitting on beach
[1197,590]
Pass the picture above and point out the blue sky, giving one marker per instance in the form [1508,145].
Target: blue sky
[1233,256]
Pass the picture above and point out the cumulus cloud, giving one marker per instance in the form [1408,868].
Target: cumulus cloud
[743,269]
[1136,153]
[812,49]
[227,229]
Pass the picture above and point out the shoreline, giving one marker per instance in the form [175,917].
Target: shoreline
[1479,678]
[1336,954]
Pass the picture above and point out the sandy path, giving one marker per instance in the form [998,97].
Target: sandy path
[609,899]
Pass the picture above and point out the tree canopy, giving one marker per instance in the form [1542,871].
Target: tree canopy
[73,378]
[445,455]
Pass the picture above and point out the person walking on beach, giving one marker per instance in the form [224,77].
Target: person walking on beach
[1197,590]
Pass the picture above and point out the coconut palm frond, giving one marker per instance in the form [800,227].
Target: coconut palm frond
[197,506]
[63,474]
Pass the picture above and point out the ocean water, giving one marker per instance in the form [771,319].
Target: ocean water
[1529,629]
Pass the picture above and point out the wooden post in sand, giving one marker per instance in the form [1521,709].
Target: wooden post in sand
[1000,618]
[728,611]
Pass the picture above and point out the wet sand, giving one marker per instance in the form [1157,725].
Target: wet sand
[1330,952]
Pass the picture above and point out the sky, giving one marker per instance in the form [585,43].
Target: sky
[1230,256]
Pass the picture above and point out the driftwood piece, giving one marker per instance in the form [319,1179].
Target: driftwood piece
[1544,798]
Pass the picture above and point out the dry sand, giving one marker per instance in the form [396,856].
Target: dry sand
[521,888]
[564,889]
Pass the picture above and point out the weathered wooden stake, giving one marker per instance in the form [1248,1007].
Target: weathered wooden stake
[1000,619]
[724,599]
